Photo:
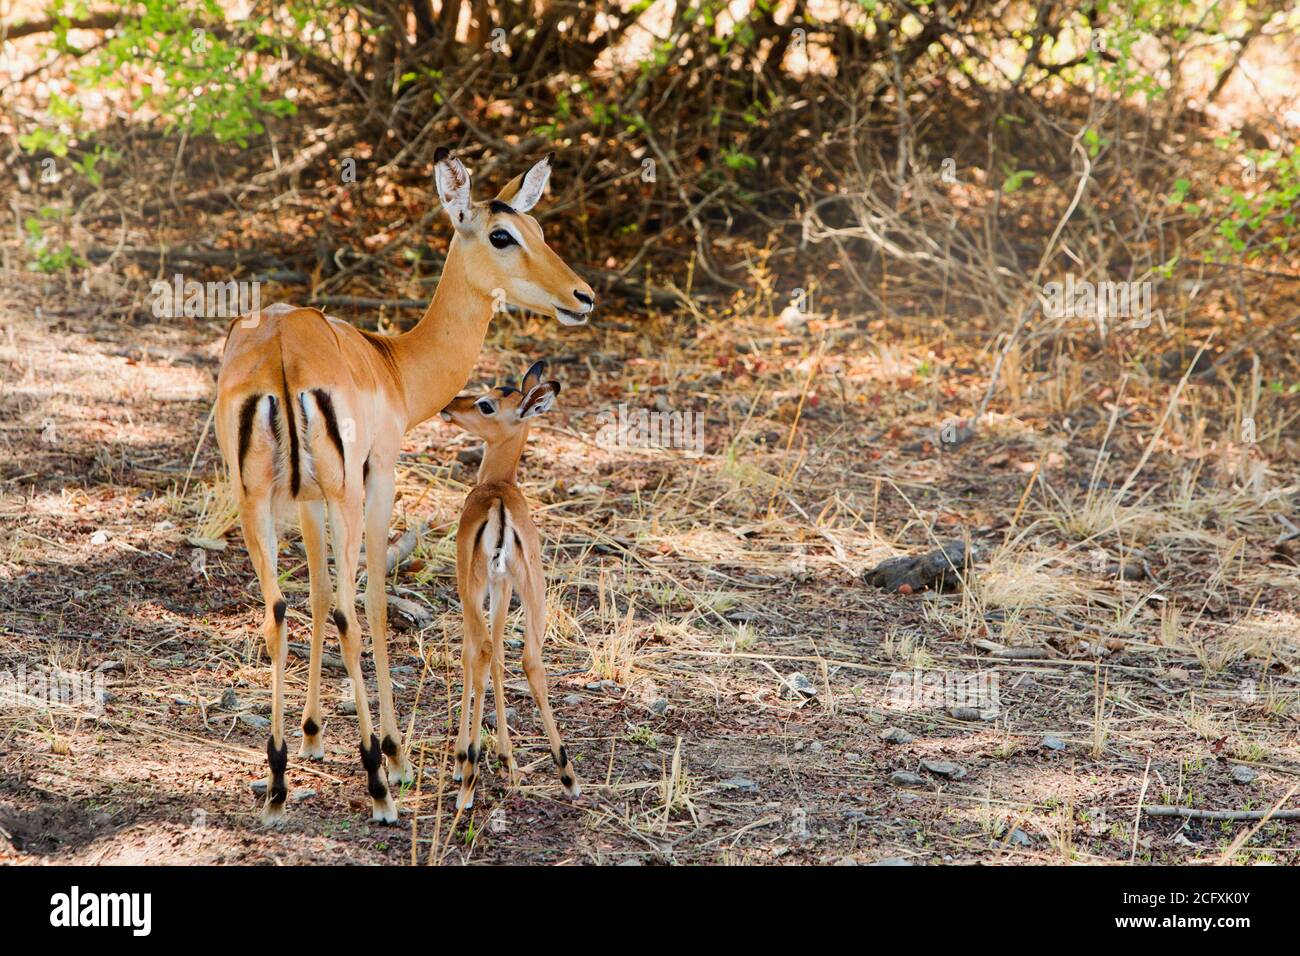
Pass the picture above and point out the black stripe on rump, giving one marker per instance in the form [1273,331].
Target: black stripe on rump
[295,479]
[326,405]
[246,413]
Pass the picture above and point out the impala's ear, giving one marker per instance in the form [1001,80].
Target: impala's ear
[452,179]
[539,400]
[524,190]
[533,377]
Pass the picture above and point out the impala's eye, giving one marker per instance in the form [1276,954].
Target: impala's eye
[486,407]
[501,239]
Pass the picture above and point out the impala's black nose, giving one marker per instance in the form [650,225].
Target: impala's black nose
[583,297]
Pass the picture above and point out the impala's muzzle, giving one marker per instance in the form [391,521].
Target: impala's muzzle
[586,303]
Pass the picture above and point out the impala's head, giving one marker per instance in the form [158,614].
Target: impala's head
[504,413]
[502,245]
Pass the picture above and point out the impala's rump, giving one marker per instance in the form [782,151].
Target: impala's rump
[292,432]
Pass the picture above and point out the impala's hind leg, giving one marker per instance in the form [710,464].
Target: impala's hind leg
[476,657]
[499,605]
[258,520]
[379,509]
[533,594]
[345,528]
[311,516]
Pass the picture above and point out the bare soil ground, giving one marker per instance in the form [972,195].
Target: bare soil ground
[683,591]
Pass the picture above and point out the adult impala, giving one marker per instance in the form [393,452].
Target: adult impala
[312,410]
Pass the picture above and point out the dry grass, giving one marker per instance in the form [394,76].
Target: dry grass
[683,591]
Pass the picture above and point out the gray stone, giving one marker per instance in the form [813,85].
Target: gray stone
[659,707]
[739,783]
[797,687]
[1019,838]
[256,721]
[573,700]
[1242,774]
[1053,743]
[892,861]
[896,735]
[905,778]
[944,768]
[347,707]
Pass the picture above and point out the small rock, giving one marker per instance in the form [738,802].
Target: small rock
[256,721]
[573,700]
[815,746]
[845,861]
[944,768]
[952,435]
[1053,743]
[632,861]
[110,667]
[514,643]
[99,537]
[892,861]
[1129,571]
[905,778]
[659,707]
[797,687]
[1242,774]
[298,796]
[470,456]
[207,544]
[896,735]
[972,713]
[490,718]
[739,783]
[258,787]
[347,708]
[229,700]
[918,572]
[1019,838]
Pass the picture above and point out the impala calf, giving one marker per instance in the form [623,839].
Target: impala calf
[311,412]
[497,553]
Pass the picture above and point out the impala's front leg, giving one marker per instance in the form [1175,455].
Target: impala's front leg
[345,526]
[379,509]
